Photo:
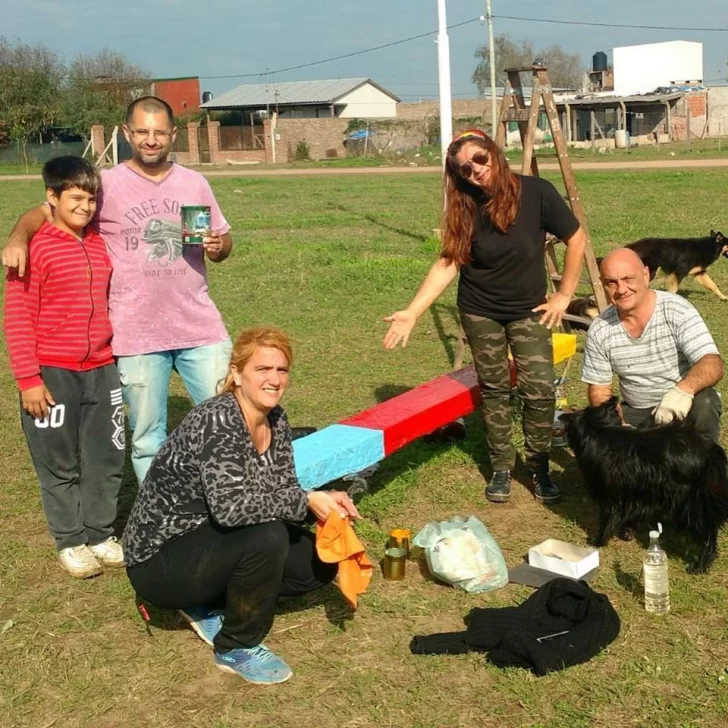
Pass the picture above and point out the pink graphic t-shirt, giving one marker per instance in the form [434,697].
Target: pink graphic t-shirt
[158,298]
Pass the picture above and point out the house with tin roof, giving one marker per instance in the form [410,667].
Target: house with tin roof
[359,98]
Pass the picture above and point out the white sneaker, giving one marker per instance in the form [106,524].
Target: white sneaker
[78,561]
[109,552]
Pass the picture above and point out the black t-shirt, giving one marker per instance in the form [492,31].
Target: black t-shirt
[506,276]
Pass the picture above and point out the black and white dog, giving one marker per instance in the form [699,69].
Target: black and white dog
[681,257]
[670,473]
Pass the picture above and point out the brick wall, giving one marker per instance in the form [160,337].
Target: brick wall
[460,108]
[98,141]
[696,102]
[193,144]
[718,111]
[324,137]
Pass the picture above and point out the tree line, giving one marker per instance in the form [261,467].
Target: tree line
[39,91]
[566,70]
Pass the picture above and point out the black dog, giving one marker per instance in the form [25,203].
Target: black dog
[680,257]
[663,473]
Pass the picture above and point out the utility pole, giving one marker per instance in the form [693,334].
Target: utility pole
[491,64]
[443,68]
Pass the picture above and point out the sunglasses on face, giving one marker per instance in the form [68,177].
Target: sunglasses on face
[480,158]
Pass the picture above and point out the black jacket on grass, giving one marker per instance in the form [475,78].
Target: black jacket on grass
[529,635]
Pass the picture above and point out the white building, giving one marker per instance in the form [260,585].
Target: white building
[359,98]
[641,69]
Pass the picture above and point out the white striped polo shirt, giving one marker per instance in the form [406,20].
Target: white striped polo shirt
[674,340]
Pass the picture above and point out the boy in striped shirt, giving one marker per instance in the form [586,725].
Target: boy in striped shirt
[58,337]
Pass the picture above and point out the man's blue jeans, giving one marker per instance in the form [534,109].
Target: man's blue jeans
[145,385]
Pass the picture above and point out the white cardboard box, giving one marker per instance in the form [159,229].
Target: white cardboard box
[563,558]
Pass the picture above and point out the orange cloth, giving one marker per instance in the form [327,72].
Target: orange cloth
[337,542]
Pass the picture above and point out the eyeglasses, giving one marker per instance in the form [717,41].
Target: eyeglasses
[480,158]
[160,136]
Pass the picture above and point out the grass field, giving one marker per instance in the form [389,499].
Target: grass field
[326,258]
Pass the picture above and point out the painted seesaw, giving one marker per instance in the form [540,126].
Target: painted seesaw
[362,440]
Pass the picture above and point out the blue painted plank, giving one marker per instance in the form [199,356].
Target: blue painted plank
[335,451]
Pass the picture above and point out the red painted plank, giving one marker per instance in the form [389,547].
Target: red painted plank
[421,410]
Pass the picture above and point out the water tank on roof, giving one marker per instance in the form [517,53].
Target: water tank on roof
[599,61]
[206,96]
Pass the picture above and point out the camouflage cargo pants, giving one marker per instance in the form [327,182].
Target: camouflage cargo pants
[532,349]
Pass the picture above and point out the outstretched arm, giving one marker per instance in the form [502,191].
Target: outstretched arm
[437,280]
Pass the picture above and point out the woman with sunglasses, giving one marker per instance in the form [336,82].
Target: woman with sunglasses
[493,237]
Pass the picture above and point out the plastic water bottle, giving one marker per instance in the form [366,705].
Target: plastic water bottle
[657,584]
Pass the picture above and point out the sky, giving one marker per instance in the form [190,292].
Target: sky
[217,38]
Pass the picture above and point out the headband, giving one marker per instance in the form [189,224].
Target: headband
[470,133]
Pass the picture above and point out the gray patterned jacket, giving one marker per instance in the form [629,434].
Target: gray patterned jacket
[209,469]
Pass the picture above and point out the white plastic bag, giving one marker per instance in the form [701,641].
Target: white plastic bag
[463,553]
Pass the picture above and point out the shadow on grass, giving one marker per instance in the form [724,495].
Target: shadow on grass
[421,451]
[386,392]
[420,237]
[337,609]
[439,311]
[574,504]
[628,581]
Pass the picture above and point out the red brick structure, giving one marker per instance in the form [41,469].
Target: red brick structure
[182,94]
[97,140]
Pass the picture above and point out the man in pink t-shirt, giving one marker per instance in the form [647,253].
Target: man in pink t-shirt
[160,309]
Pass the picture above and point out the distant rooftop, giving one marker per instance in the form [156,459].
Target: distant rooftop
[292,93]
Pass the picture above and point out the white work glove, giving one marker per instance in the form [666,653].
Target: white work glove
[675,405]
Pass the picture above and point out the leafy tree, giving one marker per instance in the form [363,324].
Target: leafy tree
[565,69]
[30,91]
[99,88]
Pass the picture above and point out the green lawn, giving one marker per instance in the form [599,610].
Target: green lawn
[326,258]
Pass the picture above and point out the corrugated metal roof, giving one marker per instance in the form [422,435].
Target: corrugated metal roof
[290,93]
[614,100]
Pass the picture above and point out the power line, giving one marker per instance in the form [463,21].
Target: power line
[479,19]
[610,25]
[348,55]
[411,38]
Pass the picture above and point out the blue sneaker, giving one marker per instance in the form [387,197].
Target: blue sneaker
[257,665]
[204,622]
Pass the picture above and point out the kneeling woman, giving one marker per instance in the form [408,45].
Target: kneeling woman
[213,530]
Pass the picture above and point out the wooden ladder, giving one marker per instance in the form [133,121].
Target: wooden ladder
[514,108]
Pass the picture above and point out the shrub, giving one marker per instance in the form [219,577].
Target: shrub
[303,152]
